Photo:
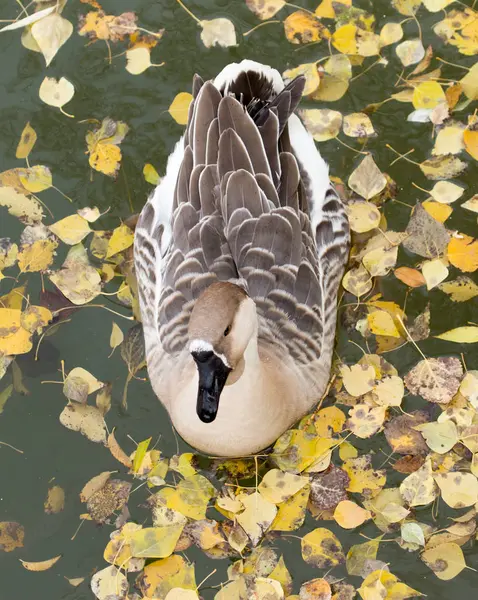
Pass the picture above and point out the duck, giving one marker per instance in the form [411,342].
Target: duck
[239,253]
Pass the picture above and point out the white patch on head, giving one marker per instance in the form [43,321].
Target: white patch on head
[202,346]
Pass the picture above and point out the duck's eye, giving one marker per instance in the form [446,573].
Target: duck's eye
[227,330]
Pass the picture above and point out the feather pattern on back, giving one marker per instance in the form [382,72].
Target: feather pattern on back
[252,204]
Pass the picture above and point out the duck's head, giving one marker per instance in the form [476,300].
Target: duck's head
[222,323]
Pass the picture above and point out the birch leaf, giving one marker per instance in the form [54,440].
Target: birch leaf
[218,32]
[50,34]
[367,179]
[55,92]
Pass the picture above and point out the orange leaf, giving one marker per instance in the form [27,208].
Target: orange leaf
[409,276]
[463,253]
[470,137]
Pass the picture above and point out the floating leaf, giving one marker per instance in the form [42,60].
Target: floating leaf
[410,277]
[458,490]
[99,26]
[428,94]
[358,125]
[109,583]
[322,549]
[426,236]
[316,589]
[150,174]
[302,27]
[77,279]
[440,437]
[329,488]
[55,501]
[461,335]
[360,555]
[105,154]
[42,565]
[71,230]
[161,576]
[257,516]
[121,239]
[446,560]
[349,515]
[50,33]
[138,60]
[179,108]
[358,379]
[29,19]
[434,271]
[365,420]
[56,92]
[218,32]
[446,192]
[363,478]
[277,486]
[363,216]
[402,436]
[12,535]
[381,322]
[462,252]
[86,419]
[265,9]
[367,179]
[155,542]
[410,52]
[322,123]
[311,74]
[391,33]
[435,379]
[419,488]
[26,209]
[27,141]
[442,167]
[291,513]
[382,584]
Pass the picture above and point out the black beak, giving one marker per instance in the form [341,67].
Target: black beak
[212,378]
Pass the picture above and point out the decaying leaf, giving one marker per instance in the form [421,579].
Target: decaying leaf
[419,488]
[265,9]
[445,560]
[218,32]
[322,549]
[426,236]
[42,565]
[435,379]
[109,583]
[12,535]
[367,179]
[55,501]
[86,419]
[103,146]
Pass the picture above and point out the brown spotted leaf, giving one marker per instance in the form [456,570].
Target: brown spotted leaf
[426,236]
[328,489]
[435,379]
[109,499]
[401,436]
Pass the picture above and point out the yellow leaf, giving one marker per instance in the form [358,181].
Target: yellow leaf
[265,9]
[138,60]
[50,33]
[109,583]
[315,589]
[440,437]
[378,262]
[27,141]
[71,230]
[14,339]
[442,167]
[163,575]
[116,336]
[428,95]
[470,138]
[311,74]
[446,560]
[326,8]
[389,391]
[218,32]
[301,27]
[179,108]
[42,565]
[344,39]
[363,476]
[449,140]
[28,210]
[105,155]
[35,179]
[282,575]
[358,379]
[118,550]
[460,290]
[191,497]
[55,92]
[469,83]
[462,252]
[121,239]
[77,279]
[358,125]
[181,594]
[277,486]
[291,513]
[381,584]
[34,318]
[322,123]
[410,52]
[350,515]
[86,419]
[435,271]
[471,204]
[106,159]
[150,174]
[446,192]
[407,7]
[467,334]
[155,542]
[322,549]
[363,216]
[257,516]
[419,488]
[12,535]
[329,420]
[364,420]
[367,179]
[437,210]
[90,214]
[295,450]
[357,281]
[391,33]
[436,5]
[382,323]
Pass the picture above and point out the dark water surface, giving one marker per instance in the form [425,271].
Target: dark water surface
[30,422]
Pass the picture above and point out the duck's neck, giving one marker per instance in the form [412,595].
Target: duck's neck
[254,409]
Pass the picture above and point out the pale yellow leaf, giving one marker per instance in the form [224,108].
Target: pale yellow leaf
[56,92]
[50,33]
[71,230]
[218,32]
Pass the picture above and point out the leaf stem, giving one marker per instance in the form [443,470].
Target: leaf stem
[198,21]
[260,25]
